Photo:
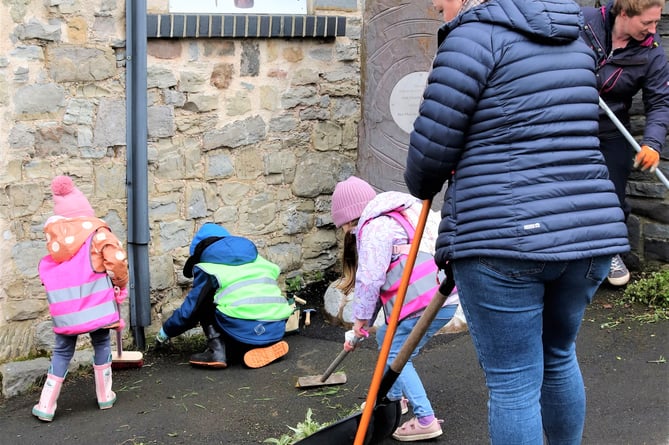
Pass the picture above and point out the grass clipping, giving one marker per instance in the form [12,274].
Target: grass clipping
[651,290]
[301,431]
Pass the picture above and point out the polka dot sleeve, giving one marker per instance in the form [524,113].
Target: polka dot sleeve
[108,253]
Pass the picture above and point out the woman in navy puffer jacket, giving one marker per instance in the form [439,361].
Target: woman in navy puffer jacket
[530,219]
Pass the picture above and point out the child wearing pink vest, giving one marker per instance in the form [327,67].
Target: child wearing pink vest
[378,230]
[85,275]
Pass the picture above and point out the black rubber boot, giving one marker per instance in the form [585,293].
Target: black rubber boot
[214,356]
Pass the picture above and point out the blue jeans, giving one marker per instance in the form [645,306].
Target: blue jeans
[523,317]
[408,383]
[63,350]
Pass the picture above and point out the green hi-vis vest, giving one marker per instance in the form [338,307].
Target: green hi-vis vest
[249,291]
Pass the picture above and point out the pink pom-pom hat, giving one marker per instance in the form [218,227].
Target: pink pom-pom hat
[68,201]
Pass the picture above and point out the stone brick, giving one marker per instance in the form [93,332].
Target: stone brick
[110,123]
[163,49]
[40,98]
[221,75]
[76,64]
[250,63]
[77,30]
[236,134]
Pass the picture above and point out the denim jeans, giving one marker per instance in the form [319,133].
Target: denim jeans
[408,383]
[63,350]
[523,318]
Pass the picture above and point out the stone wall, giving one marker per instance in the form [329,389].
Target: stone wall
[249,133]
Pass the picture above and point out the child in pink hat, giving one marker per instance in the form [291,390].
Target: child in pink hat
[85,275]
[378,229]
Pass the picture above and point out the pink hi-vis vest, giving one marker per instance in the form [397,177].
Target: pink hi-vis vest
[424,281]
[80,299]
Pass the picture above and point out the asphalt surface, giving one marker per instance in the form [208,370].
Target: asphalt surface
[166,401]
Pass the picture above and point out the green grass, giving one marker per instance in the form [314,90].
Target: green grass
[651,290]
[299,432]
[644,300]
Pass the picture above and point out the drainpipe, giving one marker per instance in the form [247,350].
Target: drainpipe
[137,170]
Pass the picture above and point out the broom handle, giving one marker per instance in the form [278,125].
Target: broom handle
[629,137]
[119,338]
[392,326]
[418,332]
[119,343]
[338,360]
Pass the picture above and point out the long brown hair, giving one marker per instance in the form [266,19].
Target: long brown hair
[349,264]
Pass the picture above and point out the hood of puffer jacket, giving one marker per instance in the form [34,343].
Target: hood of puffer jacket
[208,230]
[214,244]
[554,22]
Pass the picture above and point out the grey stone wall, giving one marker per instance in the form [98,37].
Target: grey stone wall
[249,133]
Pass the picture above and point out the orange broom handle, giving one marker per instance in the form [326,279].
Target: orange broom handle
[392,326]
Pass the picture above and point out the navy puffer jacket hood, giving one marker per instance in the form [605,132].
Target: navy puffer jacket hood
[510,117]
[554,23]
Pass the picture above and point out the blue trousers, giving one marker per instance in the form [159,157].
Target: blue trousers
[408,383]
[63,350]
[619,158]
[523,318]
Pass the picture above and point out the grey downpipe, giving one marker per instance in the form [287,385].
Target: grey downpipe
[137,170]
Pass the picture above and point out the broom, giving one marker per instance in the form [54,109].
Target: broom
[124,359]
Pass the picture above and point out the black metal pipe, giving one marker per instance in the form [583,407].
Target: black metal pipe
[137,170]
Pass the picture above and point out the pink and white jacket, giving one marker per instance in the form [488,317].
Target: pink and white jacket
[382,242]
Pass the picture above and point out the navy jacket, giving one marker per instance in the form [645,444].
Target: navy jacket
[640,66]
[232,250]
[510,116]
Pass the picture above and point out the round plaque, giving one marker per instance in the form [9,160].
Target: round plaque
[405,99]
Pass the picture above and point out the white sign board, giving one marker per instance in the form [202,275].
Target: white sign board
[405,99]
[276,7]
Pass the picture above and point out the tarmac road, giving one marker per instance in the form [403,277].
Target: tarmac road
[169,402]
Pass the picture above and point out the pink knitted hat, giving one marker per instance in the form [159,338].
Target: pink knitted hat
[349,199]
[68,201]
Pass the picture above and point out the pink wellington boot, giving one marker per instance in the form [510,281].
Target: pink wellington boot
[46,407]
[103,384]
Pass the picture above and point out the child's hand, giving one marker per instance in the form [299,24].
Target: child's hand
[120,294]
[162,339]
[360,328]
[351,340]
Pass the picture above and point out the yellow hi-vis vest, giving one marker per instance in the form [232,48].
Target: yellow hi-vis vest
[249,291]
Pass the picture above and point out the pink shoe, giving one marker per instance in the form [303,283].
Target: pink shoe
[412,430]
[46,407]
[103,385]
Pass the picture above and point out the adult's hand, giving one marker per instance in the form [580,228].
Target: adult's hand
[647,159]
